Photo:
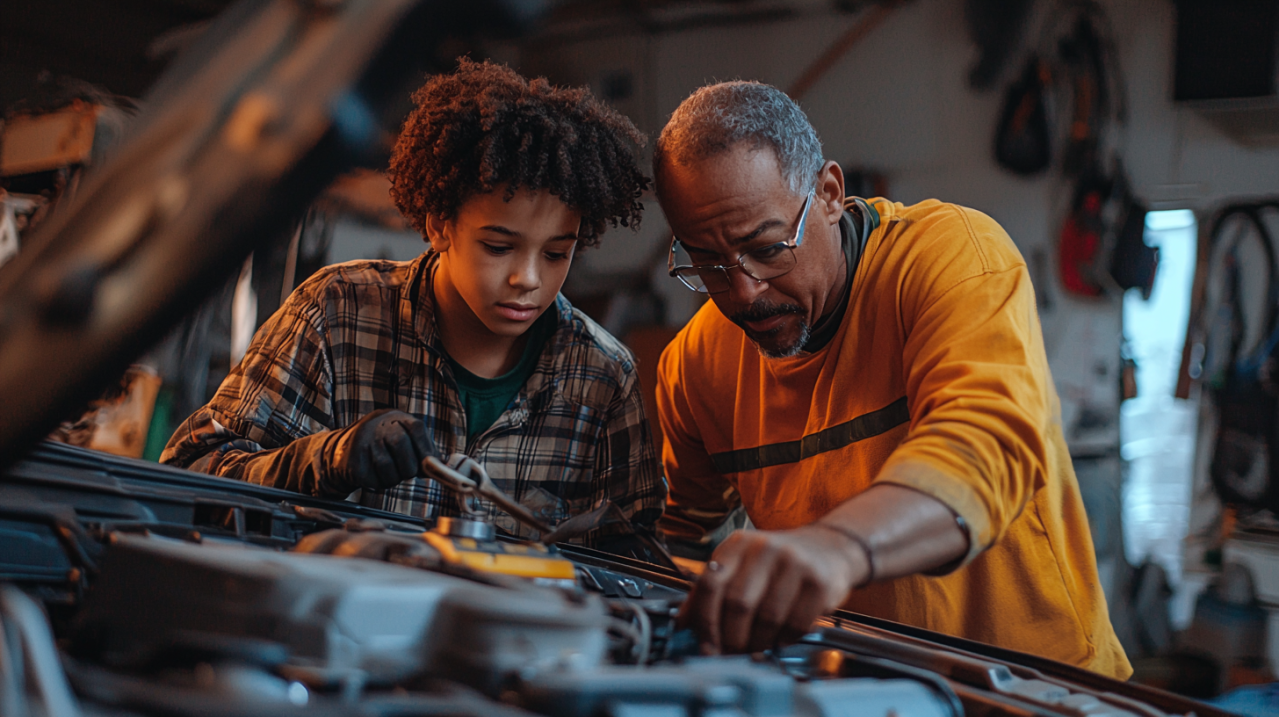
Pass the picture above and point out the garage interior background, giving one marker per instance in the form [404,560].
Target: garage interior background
[888,88]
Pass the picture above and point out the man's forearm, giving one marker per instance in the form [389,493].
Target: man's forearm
[903,530]
[766,585]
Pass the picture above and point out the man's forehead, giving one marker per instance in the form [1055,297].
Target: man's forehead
[726,198]
[743,168]
[708,184]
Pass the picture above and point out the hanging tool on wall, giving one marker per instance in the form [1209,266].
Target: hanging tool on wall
[1233,347]
[1085,68]
[1102,244]
[1080,244]
[995,26]
[1132,263]
[1023,141]
[1070,93]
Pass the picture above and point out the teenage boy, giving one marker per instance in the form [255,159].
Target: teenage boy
[371,365]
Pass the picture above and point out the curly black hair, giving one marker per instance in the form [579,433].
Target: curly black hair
[484,126]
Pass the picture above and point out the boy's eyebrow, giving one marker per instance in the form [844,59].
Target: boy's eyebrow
[499,229]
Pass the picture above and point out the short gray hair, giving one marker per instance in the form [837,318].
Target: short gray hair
[718,117]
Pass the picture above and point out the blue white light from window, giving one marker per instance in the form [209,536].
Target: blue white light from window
[1157,431]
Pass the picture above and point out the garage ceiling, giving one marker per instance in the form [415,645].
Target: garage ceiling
[120,45]
[124,45]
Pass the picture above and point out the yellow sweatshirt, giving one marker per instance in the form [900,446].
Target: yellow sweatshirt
[937,379]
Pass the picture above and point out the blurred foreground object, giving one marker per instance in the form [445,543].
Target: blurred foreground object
[35,143]
[274,100]
[116,422]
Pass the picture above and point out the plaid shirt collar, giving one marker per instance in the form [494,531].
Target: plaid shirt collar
[417,309]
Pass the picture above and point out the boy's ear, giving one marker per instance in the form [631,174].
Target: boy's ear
[436,233]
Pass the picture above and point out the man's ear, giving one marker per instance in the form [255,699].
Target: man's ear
[830,190]
[437,233]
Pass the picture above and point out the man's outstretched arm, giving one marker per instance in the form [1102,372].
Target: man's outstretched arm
[765,587]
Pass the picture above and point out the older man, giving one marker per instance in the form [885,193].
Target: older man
[869,382]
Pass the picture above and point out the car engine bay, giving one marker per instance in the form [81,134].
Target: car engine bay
[173,593]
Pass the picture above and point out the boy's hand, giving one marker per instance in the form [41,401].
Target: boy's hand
[378,451]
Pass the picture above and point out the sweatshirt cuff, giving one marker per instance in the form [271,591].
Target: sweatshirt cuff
[971,513]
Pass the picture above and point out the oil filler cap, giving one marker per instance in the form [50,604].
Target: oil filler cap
[463,528]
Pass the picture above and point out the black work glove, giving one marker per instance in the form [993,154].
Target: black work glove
[376,452]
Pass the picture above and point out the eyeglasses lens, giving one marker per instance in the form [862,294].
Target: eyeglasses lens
[768,262]
[762,264]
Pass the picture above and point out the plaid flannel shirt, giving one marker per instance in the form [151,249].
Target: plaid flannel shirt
[361,336]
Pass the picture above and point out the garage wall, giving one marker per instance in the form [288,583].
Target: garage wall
[899,103]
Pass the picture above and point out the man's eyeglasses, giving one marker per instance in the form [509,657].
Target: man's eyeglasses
[762,264]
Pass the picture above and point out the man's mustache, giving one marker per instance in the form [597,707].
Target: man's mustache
[763,309]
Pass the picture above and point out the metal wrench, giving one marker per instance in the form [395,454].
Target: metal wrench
[479,484]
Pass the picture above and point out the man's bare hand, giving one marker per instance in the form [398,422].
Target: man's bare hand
[762,588]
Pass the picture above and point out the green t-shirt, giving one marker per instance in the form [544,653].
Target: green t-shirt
[484,399]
